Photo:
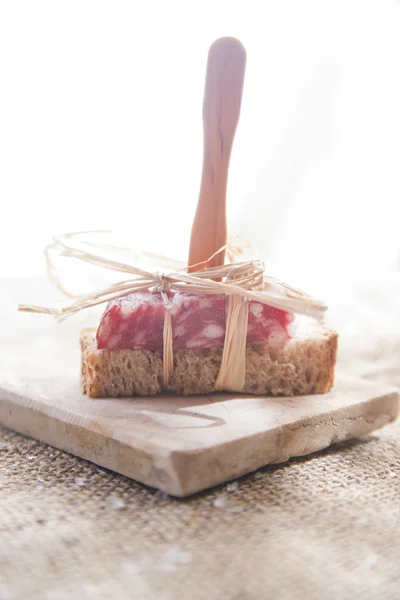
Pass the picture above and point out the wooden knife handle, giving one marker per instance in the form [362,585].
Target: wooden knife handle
[221,109]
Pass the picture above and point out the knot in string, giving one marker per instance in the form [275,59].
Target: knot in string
[163,286]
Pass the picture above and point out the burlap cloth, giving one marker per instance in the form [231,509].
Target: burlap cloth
[325,526]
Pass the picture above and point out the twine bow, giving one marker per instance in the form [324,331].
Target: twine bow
[241,281]
[243,278]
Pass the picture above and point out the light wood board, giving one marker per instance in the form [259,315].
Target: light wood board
[184,445]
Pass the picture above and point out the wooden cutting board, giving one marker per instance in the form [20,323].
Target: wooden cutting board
[185,445]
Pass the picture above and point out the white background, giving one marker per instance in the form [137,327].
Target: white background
[100,127]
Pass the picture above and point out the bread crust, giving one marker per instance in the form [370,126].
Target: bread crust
[303,366]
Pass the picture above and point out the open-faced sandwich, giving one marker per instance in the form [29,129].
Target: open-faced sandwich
[124,357]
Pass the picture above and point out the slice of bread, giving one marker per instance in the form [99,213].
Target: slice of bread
[305,365]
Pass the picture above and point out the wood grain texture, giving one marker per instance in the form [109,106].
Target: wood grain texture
[185,445]
[221,109]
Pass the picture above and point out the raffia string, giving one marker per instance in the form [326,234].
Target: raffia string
[168,348]
[241,281]
[244,278]
[231,376]
[168,341]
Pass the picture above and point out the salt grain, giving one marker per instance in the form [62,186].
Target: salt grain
[159,495]
[173,558]
[237,509]
[221,502]
[30,458]
[138,565]
[80,481]
[232,487]
[115,502]
[371,560]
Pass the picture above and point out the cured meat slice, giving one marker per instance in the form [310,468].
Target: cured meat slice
[136,321]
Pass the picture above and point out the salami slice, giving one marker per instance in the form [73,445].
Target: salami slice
[136,321]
